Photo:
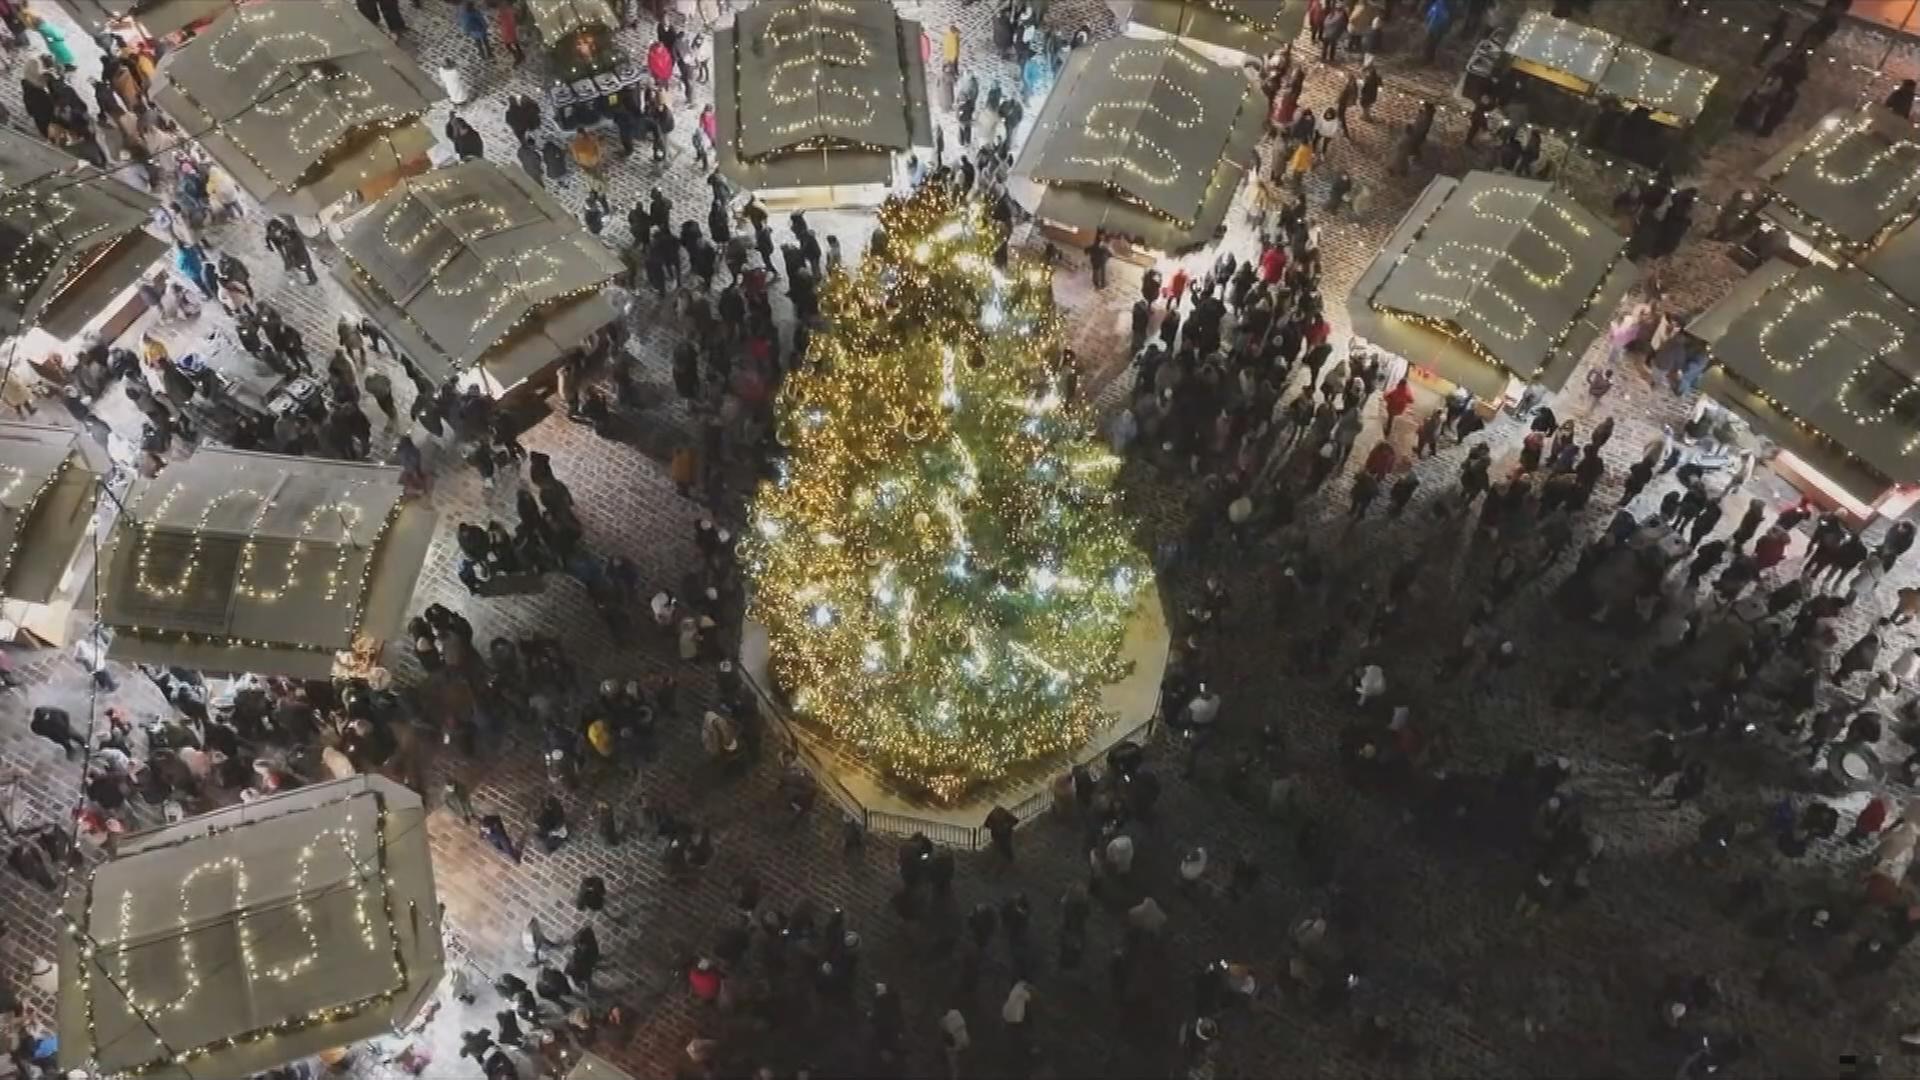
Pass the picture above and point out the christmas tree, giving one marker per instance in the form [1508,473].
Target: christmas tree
[940,565]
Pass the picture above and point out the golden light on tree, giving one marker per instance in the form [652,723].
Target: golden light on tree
[943,573]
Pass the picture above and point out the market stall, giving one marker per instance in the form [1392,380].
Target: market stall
[1561,52]
[1491,279]
[73,244]
[241,562]
[817,101]
[1846,183]
[585,65]
[252,936]
[475,269]
[305,102]
[49,487]
[1631,101]
[155,19]
[1822,362]
[594,1067]
[1225,31]
[1146,141]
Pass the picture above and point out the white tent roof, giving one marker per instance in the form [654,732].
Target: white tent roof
[232,561]
[248,937]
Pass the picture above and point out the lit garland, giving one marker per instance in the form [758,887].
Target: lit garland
[941,568]
[42,218]
[1834,138]
[300,78]
[18,476]
[365,877]
[1143,69]
[805,67]
[1483,259]
[1664,98]
[530,277]
[559,18]
[1798,297]
[1557,44]
[351,596]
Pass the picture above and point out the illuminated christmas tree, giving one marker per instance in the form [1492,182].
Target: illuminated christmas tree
[944,576]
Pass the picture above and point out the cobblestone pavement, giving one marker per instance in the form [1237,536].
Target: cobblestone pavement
[1478,989]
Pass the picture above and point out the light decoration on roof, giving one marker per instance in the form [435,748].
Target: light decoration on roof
[525,274]
[1465,261]
[348,514]
[1559,44]
[1117,123]
[43,218]
[828,48]
[1902,155]
[1895,338]
[1664,94]
[558,18]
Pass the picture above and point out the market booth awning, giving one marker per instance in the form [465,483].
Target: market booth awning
[252,936]
[156,18]
[1144,139]
[1491,277]
[1896,263]
[1849,180]
[1824,361]
[594,1067]
[814,99]
[71,237]
[49,483]
[303,101]
[474,265]
[1243,29]
[1589,61]
[241,562]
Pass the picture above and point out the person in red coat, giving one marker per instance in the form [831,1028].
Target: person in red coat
[1272,264]
[660,64]
[1397,400]
[1381,459]
[1873,818]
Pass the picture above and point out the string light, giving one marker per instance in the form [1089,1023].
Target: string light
[804,25]
[1143,69]
[442,219]
[368,880]
[316,83]
[1560,43]
[151,516]
[21,516]
[943,572]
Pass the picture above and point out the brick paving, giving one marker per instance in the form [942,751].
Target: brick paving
[1477,989]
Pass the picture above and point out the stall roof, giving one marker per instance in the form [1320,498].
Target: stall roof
[1897,263]
[1832,349]
[301,100]
[157,17]
[1145,139]
[1562,45]
[242,939]
[555,19]
[1516,268]
[1856,173]
[232,561]
[595,1067]
[49,480]
[1661,83]
[58,217]
[473,262]
[818,93]
[1252,27]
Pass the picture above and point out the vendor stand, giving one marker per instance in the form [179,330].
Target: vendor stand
[474,269]
[49,489]
[73,246]
[816,102]
[155,20]
[1145,141]
[586,68]
[1491,280]
[1821,362]
[252,936]
[1234,32]
[305,102]
[594,1067]
[1646,100]
[239,562]
[1847,184]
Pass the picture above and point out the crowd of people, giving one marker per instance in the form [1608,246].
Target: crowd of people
[1726,619]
